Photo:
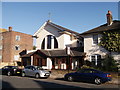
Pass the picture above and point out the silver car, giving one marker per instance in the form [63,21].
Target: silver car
[35,71]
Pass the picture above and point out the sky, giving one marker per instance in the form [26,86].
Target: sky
[27,17]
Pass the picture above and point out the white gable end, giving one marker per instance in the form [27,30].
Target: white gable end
[54,35]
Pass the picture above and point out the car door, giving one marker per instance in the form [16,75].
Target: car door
[32,71]
[84,75]
[88,75]
[79,75]
[5,70]
[27,70]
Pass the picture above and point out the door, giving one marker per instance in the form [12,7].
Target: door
[84,75]
[32,71]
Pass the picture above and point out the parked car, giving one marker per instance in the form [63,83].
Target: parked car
[11,70]
[89,75]
[35,71]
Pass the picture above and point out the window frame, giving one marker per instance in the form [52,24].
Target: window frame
[97,57]
[1,47]
[17,38]
[18,46]
[16,57]
[94,39]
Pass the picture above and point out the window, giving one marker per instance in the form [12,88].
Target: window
[1,37]
[0,47]
[44,62]
[79,44]
[17,38]
[17,47]
[95,39]
[55,43]
[95,60]
[16,57]
[0,57]
[27,67]
[43,44]
[51,40]
[49,37]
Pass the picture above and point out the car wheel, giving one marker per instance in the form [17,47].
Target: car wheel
[97,81]
[23,74]
[9,73]
[37,75]
[70,78]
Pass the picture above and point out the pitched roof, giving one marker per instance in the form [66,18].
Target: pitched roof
[3,30]
[55,53]
[115,25]
[60,28]
[28,55]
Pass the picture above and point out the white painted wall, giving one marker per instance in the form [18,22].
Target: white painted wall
[63,39]
[49,64]
[91,49]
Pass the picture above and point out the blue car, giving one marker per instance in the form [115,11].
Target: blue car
[89,75]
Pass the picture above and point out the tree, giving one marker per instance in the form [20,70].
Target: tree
[111,40]
[34,47]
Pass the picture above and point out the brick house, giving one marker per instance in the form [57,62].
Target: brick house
[51,43]
[12,43]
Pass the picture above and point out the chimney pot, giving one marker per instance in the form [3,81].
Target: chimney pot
[109,18]
[10,28]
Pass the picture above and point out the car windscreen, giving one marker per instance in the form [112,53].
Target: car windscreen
[12,67]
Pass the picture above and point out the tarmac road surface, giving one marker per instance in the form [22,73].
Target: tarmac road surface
[13,82]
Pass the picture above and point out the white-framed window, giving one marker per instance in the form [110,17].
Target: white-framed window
[95,60]
[17,38]
[95,39]
[16,57]
[1,47]
[0,57]
[17,47]
[1,37]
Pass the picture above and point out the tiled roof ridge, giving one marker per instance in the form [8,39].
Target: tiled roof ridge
[115,22]
[62,28]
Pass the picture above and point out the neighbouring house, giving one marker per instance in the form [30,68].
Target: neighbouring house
[94,52]
[12,43]
[51,53]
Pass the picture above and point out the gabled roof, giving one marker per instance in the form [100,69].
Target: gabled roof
[28,55]
[3,30]
[60,28]
[55,53]
[115,26]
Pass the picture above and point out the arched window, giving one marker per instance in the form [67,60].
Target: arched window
[51,42]
[43,44]
[55,43]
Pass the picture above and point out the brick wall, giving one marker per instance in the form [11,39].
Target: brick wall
[9,42]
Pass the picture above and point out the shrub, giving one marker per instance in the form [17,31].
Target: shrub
[109,64]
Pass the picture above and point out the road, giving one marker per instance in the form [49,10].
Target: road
[29,82]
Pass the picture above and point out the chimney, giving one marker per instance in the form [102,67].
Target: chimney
[9,29]
[109,18]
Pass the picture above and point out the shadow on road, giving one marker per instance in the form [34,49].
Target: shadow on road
[51,85]
[62,79]
[7,86]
